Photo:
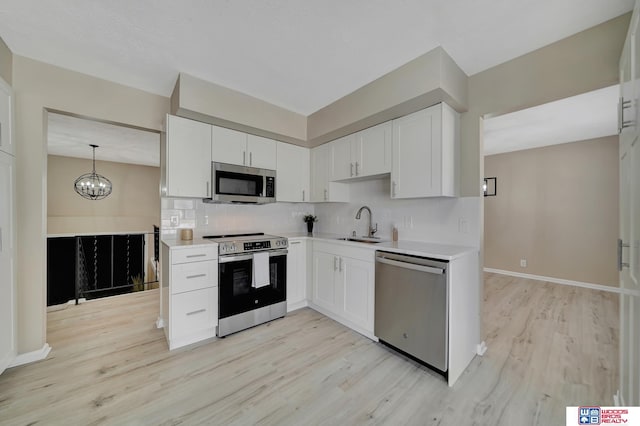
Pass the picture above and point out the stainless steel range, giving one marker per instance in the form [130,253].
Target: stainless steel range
[252,280]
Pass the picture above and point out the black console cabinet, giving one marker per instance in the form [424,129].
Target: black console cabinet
[93,266]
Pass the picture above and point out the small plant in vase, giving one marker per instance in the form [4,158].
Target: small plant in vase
[309,219]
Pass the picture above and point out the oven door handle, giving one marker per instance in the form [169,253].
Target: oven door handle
[272,253]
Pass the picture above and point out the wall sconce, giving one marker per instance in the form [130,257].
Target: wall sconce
[490,186]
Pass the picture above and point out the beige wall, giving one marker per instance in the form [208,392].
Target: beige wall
[427,80]
[38,87]
[6,62]
[577,64]
[133,206]
[204,101]
[556,207]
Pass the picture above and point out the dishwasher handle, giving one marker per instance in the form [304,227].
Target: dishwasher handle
[413,266]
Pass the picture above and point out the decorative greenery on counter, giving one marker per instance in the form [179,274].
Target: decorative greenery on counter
[309,218]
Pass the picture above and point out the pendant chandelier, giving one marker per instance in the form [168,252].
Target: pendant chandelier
[93,186]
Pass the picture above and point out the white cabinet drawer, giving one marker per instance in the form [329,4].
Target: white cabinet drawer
[194,254]
[194,311]
[193,276]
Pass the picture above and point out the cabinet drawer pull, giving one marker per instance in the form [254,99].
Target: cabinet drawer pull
[199,311]
[196,276]
[293,243]
[357,173]
[196,255]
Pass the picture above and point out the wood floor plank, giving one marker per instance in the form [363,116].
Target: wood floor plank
[549,346]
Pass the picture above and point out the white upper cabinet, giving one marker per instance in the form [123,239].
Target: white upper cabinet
[229,146]
[341,164]
[320,173]
[362,154]
[186,146]
[371,150]
[242,149]
[6,119]
[321,188]
[292,173]
[424,153]
[261,152]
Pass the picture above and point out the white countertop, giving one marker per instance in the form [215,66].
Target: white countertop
[91,234]
[415,248]
[197,241]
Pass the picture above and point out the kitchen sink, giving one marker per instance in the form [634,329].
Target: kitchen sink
[369,240]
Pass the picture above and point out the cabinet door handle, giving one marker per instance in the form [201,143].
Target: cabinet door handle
[196,255]
[244,158]
[325,195]
[393,188]
[340,264]
[621,264]
[335,263]
[622,124]
[303,195]
[199,311]
[189,277]
[351,165]
[250,158]
[357,173]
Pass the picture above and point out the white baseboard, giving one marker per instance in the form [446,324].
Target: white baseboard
[29,357]
[559,281]
[159,323]
[295,306]
[481,348]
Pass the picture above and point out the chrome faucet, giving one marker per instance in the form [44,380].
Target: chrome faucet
[370,230]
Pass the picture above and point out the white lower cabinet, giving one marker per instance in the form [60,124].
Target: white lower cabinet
[189,296]
[343,284]
[297,274]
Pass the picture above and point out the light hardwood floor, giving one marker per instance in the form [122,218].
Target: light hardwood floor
[549,346]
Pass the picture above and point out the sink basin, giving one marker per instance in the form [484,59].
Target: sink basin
[368,240]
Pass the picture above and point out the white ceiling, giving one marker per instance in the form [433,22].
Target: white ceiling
[70,137]
[586,116]
[301,55]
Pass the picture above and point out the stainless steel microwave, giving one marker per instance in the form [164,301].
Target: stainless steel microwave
[239,184]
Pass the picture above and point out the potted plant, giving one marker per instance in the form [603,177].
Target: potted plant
[309,219]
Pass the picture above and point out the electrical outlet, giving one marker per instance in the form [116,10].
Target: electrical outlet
[463,225]
[175,220]
[523,263]
[410,222]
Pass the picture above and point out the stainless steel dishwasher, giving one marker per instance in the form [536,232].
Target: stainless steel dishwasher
[411,307]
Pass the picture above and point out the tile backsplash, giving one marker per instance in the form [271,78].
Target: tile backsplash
[207,219]
[440,220]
